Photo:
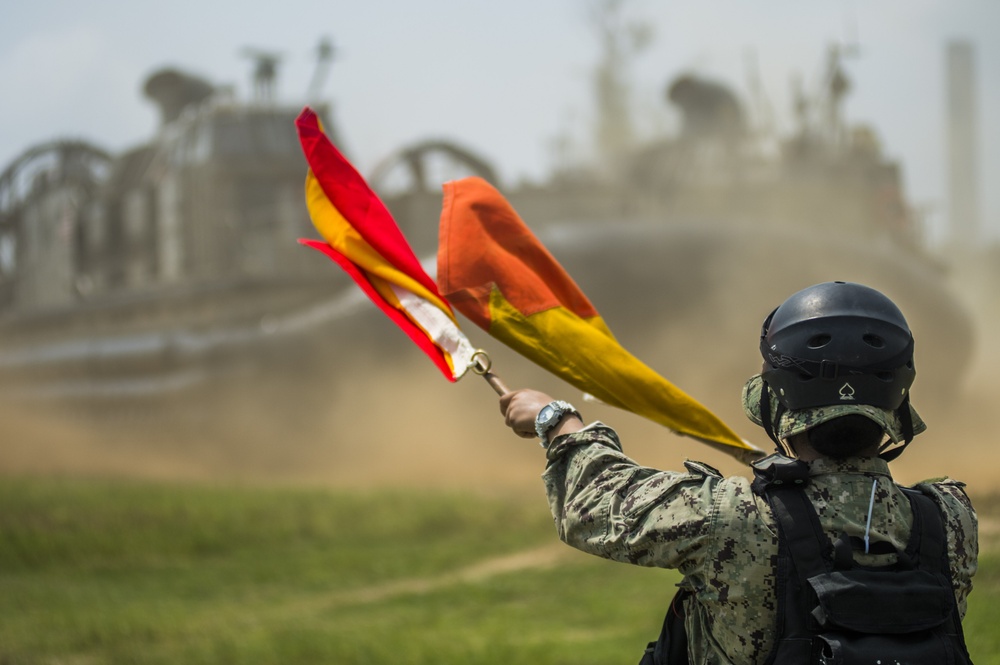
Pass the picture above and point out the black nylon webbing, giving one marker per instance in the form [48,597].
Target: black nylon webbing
[927,536]
[800,528]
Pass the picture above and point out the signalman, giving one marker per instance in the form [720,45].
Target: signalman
[822,557]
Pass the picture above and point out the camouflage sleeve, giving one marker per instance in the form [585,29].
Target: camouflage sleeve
[605,504]
[962,530]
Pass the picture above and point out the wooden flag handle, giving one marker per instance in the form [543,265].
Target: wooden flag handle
[481,365]
[499,387]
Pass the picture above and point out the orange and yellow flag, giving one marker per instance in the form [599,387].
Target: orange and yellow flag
[494,270]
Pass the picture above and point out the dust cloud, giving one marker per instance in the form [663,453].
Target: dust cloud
[368,410]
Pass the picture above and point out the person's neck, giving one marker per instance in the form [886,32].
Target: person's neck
[803,450]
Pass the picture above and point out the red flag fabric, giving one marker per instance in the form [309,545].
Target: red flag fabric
[362,238]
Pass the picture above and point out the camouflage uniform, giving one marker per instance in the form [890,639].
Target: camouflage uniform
[722,536]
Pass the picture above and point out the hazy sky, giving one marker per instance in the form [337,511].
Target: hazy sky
[503,78]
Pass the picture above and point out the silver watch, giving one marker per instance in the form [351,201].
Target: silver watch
[550,415]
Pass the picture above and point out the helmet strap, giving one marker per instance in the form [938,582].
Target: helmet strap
[765,416]
[906,420]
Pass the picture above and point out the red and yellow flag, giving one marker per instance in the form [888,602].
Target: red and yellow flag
[494,270]
[362,237]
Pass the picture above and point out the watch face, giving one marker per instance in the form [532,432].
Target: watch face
[546,413]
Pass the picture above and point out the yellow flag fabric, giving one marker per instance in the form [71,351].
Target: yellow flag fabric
[494,270]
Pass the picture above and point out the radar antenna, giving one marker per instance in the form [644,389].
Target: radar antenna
[265,72]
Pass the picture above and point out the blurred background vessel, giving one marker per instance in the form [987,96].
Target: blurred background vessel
[155,286]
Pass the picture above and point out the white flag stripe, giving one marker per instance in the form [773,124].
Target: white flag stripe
[439,327]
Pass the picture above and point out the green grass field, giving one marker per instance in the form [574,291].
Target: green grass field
[121,572]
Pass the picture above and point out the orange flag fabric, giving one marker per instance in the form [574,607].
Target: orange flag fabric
[361,236]
[494,270]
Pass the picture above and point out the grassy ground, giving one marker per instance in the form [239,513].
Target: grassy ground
[116,572]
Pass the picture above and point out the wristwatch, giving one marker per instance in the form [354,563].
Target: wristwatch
[550,415]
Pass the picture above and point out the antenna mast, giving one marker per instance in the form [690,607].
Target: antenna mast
[324,56]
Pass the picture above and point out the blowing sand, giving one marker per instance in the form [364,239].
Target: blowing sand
[373,412]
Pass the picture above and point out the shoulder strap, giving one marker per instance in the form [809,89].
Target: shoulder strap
[932,545]
[800,555]
[800,528]
[927,546]
[781,481]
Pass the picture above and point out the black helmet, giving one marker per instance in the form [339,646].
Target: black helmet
[838,342]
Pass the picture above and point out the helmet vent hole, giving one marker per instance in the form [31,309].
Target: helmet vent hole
[874,341]
[884,376]
[818,341]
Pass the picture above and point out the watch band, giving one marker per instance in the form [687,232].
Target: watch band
[550,416]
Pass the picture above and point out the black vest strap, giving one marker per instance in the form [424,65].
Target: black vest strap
[671,646]
[800,528]
[927,539]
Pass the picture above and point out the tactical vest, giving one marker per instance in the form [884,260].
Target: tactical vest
[834,611]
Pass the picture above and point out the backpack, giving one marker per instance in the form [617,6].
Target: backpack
[834,611]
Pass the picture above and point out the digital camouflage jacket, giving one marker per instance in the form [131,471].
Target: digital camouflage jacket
[722,536]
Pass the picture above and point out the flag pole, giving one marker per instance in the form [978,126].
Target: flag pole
[481,365]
